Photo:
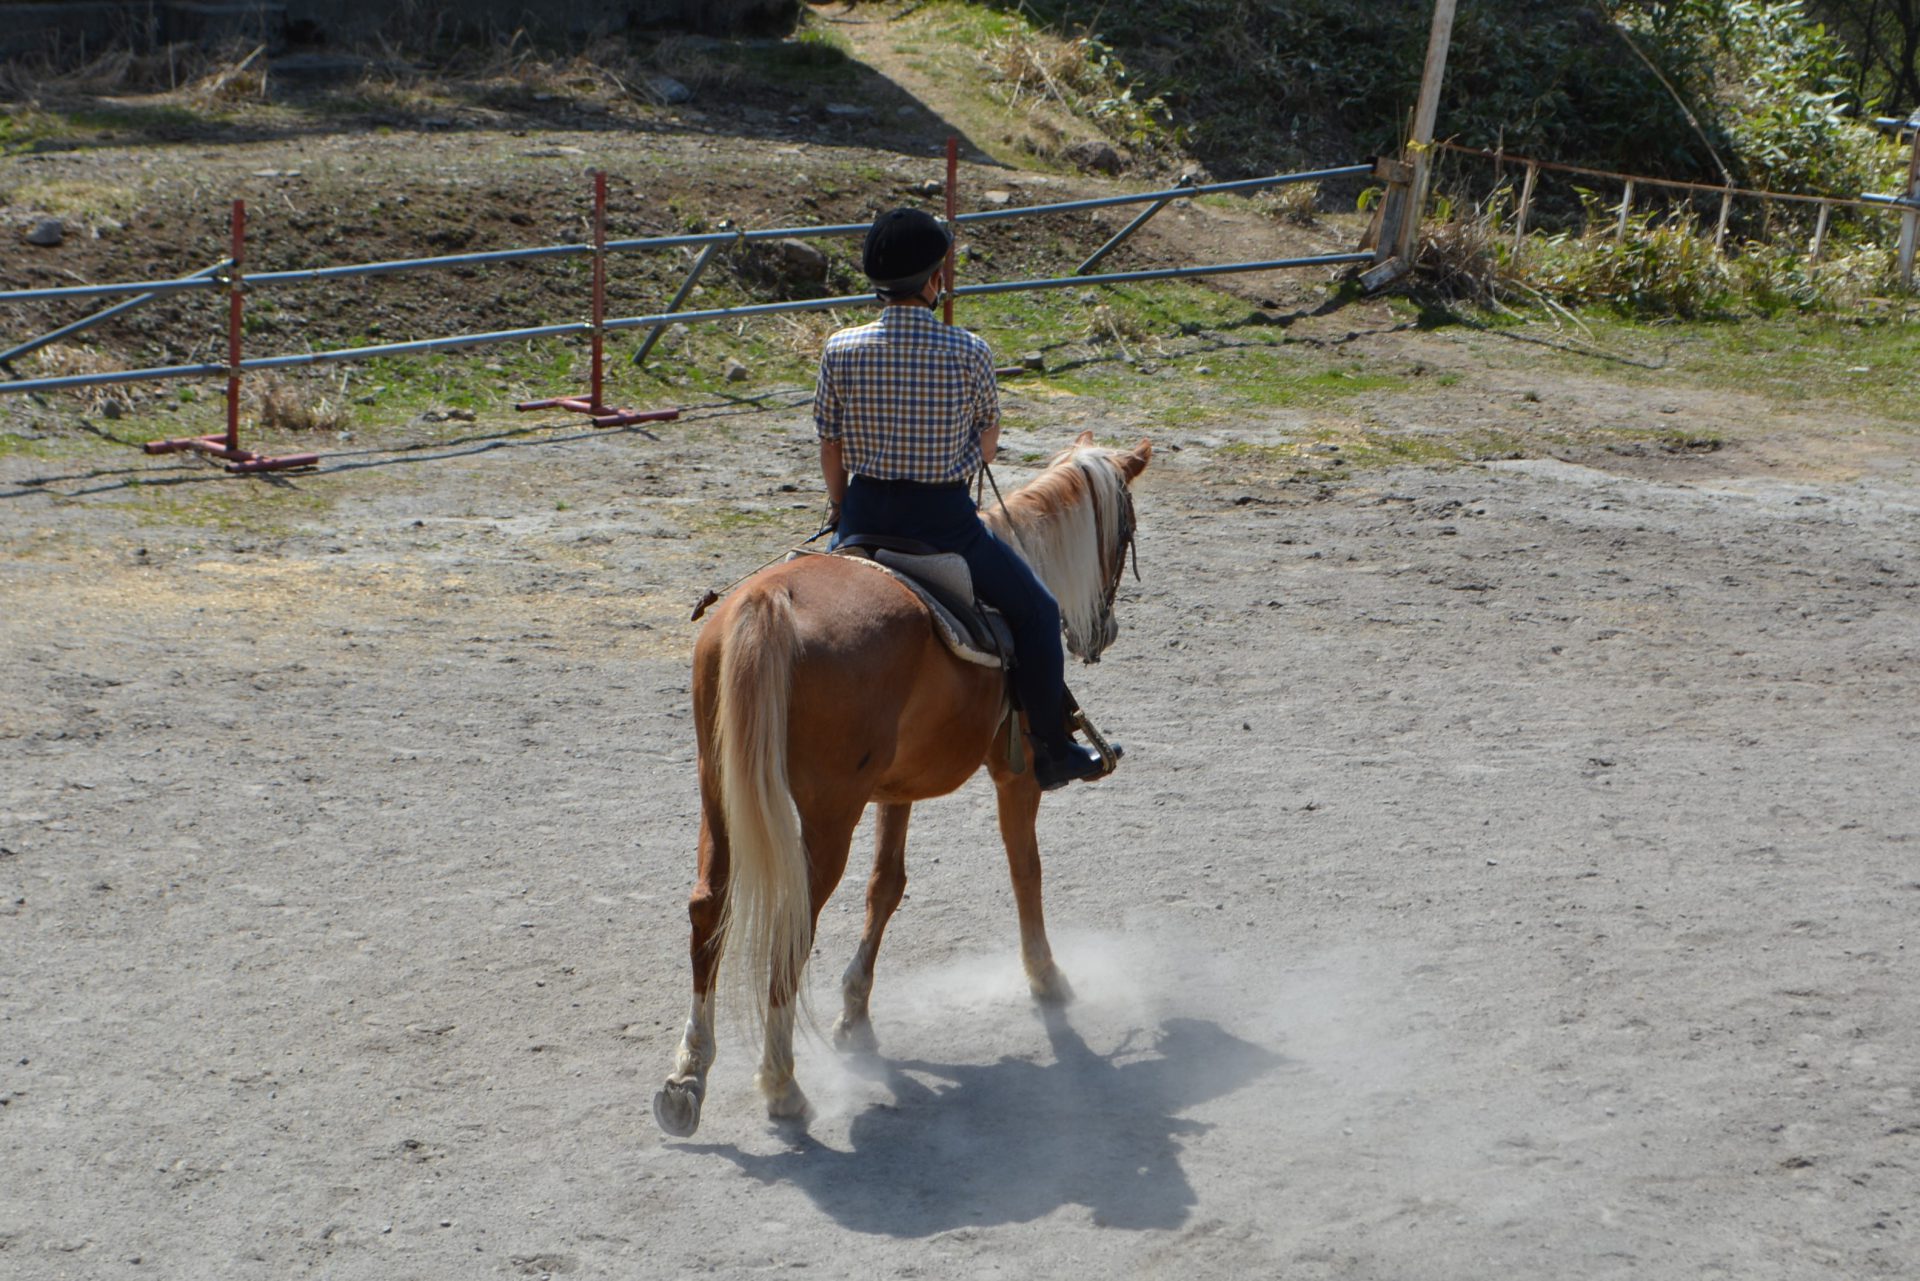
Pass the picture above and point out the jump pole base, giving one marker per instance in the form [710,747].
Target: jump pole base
[600,414]
[240,462]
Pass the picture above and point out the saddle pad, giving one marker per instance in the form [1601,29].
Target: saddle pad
[947,623]
[946,572]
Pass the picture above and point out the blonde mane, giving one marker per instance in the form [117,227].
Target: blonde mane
[1059,522]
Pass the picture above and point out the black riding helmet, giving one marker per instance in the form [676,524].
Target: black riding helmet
[903,249]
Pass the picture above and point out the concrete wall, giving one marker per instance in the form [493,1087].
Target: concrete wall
[37,26]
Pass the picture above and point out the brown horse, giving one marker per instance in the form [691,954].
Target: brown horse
[820,686]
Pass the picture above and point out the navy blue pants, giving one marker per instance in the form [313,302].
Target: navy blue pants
[944,516]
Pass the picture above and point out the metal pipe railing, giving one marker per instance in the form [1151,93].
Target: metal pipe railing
[710,241]
[307,275]
[1174,193]
[99,317]
[657,320]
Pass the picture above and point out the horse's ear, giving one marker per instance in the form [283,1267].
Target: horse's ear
[1084,438]
[1135,462]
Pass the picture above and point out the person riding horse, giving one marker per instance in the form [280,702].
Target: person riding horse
[907,413]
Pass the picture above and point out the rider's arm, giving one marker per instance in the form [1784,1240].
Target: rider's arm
[834,471]
[827,411]
[989,443]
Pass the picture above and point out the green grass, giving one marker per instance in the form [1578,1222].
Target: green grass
[17,444]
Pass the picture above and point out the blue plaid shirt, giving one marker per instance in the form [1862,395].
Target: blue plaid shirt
[907,397]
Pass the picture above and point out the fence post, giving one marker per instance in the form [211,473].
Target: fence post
[1420,148]
[1526,204]
[1820,229]
[1910,221]
[1720,232]
[1626,207]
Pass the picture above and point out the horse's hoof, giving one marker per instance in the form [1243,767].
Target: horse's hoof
[1051,988]
[788,1104]
[855,1038]
[677,1108]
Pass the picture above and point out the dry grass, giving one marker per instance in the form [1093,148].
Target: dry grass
[1297,203]
[1107,325]
[72,360]
[226,73]
[284,406]
[1462,259]
[1037,65]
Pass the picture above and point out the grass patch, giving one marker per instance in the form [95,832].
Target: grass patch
[243,505]
[1870,362]
[76,197]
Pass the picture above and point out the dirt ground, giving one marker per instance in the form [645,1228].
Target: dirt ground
[1512,874]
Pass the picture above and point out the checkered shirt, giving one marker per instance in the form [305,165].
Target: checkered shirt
[907,397]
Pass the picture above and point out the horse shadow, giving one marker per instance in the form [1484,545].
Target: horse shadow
[1012,1141]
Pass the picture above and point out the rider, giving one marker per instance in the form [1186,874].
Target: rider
[908,413]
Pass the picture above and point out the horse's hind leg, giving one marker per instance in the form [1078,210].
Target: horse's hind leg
[854,1030]
[826,843]
[676,1107]
[1019,806]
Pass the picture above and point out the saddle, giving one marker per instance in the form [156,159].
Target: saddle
[972,629]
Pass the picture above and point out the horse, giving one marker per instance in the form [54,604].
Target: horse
[820,686]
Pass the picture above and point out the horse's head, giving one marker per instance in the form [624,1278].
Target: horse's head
[1074,523]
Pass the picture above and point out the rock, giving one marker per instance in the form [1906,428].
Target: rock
[1095,156]
[931,187]
[847,109]
[997,197]
[461,415]
[736,372]
[1033,360]
[802,258]
[47,233]
[790,268]
[667,91]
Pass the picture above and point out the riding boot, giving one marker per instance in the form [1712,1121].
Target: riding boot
[1063,761]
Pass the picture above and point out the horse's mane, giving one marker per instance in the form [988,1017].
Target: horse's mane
[1057,521]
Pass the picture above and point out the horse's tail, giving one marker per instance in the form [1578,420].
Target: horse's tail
[766,925]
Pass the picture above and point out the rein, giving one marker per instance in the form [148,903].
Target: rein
[710,598]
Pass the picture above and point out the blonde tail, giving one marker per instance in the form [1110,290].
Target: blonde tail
[766,926]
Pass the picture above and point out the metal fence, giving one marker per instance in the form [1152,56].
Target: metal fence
[229,276]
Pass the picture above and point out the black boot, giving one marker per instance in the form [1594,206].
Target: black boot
[1065,761]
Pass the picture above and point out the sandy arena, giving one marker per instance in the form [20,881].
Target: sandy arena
[1512,875]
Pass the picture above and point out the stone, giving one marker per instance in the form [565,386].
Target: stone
[932,187]
[1033,360]
[996,197]
[736,372]
[667,91]
[47,233]
[847,109]
[802,258]
[1095,156]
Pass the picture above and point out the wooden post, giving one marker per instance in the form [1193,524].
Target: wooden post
[1820,229]
[1526,204]
[1720,232]
[1910,221]
[1420,146]
[1626,207]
